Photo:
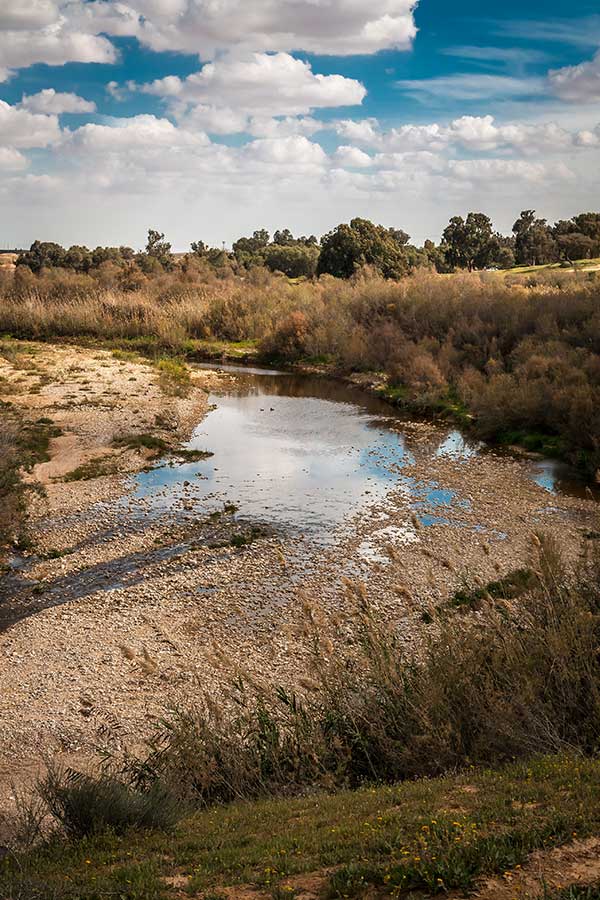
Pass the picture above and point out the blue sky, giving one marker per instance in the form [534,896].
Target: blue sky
[208,120]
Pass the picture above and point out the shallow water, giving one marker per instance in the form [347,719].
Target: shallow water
[307,452]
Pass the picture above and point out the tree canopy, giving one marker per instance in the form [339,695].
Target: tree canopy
[361,243]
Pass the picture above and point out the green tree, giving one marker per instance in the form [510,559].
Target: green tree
[534,243]
[575,245]
[295,260]
[588,224]
[350,246]
[284,238]
[118,255]
[42,254]
[199,248]
[78,258]
[159,249]
[252,245]
[470,243]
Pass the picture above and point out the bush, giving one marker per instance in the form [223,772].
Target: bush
[84,805]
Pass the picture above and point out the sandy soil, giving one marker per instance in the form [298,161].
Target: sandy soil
[141,601]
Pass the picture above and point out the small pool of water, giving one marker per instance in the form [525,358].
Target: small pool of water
[304,452]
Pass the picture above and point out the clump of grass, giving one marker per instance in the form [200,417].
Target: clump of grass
[95,468]
[126,356]
[174,377]
[510,586]
[191,456]
[22,445]
[448,855]
[83,805]
[575,892]
[141,441]
[34,441]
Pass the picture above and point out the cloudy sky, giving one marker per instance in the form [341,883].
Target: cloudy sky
[210,118]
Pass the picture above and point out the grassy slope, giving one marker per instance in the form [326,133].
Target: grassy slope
[581,264]
[432,835]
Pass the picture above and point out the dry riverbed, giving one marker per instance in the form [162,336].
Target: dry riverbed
[120,611]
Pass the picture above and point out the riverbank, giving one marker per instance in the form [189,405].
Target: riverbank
[515,360]
[126,608]
[490,835]
[377,383]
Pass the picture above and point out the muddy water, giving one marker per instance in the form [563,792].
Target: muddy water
[307,452]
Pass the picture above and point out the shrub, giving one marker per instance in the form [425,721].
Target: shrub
[84,804]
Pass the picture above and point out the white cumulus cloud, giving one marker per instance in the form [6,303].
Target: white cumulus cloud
[337,27]
[577,83]
[53,102]
[260,83]
[60,31]
[352,157]
[292,152]
[11,160]
[22,129]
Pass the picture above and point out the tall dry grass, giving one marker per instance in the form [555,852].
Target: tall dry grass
[517,358]
[522,677]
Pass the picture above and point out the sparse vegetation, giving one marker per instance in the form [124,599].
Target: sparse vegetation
[142,442]
[347,843]
[174,377]
[521,678]
[94,468]
[22,445]
[510,586]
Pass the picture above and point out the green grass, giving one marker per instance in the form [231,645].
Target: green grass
[187,455]
[143,441]
[534,442]
[448,407]
[22,445]
[430,835]
[174,377]
[576,892]
[526,270]
[33,441]
[513,585]
[95,468]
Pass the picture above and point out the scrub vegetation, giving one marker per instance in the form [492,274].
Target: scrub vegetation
[514,358]
[351,773]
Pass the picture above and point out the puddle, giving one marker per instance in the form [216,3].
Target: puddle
[304,453]
[557,478]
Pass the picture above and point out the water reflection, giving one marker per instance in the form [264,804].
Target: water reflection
[556,477]
[301,451]
[456,446]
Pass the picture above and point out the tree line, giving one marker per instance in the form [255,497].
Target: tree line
[467,243]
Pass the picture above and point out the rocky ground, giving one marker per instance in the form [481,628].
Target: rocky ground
[120,611]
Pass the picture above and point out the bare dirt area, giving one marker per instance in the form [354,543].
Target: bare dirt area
[119,611]
[547,871]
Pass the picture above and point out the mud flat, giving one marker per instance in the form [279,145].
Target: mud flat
[135,577]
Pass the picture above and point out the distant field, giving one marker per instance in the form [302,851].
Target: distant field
[590,265]
[8,260]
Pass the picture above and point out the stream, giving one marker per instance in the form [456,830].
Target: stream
[306,453]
